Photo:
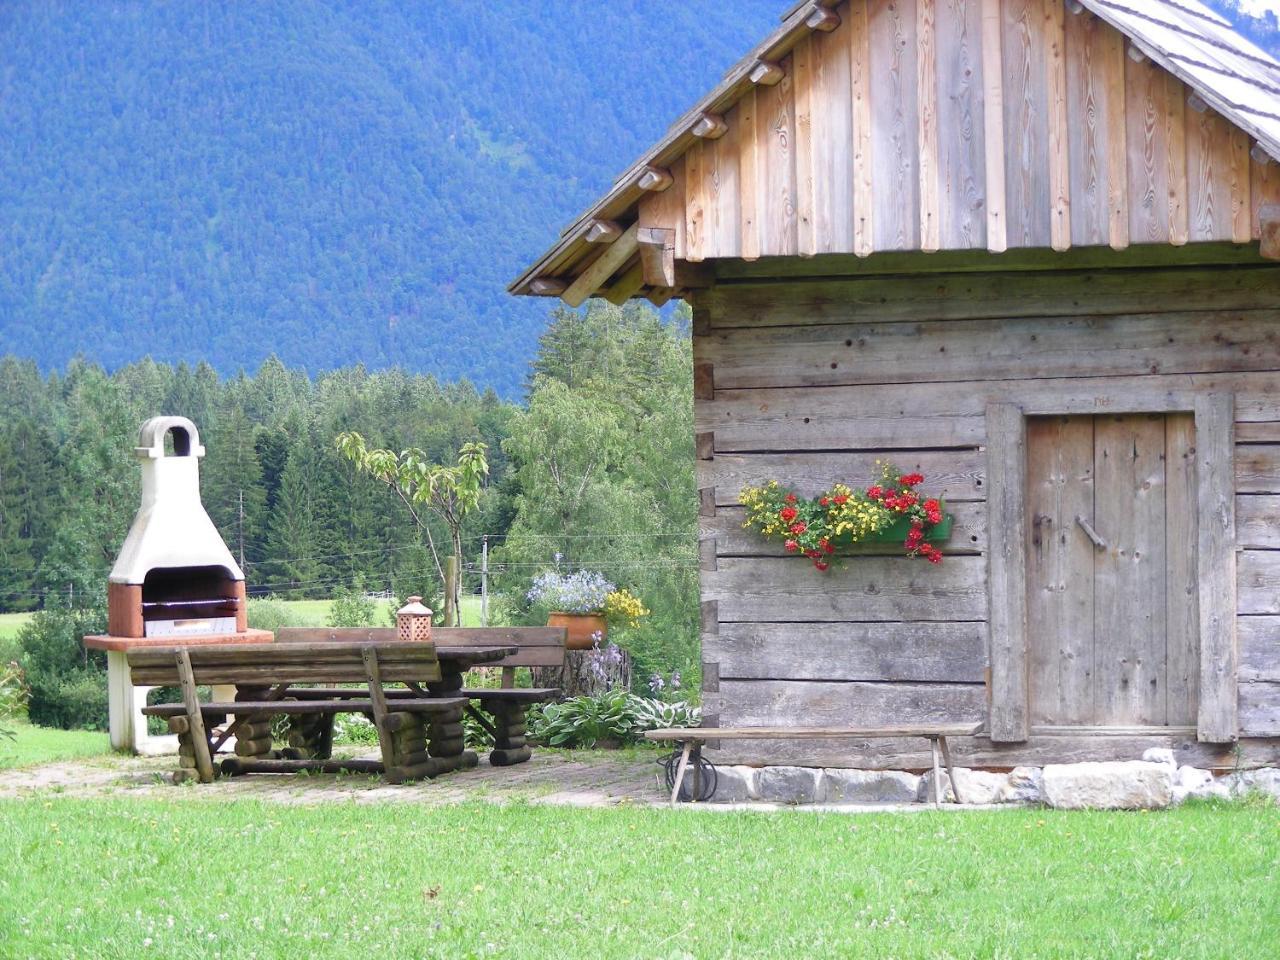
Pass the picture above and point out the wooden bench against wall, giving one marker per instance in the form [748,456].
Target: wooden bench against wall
[263,675]
[501,711]
[690,741]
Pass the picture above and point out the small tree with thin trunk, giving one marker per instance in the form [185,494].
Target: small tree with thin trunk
[450,492]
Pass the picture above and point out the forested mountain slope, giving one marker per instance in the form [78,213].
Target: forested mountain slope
[332,182]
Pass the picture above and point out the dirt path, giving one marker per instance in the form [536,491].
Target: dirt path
[554,778]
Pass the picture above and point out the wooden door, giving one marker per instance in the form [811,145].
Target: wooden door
[1111,541]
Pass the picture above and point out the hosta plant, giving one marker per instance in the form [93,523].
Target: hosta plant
[616,715]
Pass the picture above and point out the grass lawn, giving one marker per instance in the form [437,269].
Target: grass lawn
[10,623]
[315,613]
[122,877]
[44,744]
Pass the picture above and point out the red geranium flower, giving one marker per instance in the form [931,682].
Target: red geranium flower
[824,501]
[787,514]
[875,493]
[790,498]
[791,546]
[841,500]
[798,528]
[911,479]
[821,564]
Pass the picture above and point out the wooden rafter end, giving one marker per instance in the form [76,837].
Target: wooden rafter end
[1269,231]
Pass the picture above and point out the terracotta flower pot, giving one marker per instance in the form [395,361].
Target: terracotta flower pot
[580,627]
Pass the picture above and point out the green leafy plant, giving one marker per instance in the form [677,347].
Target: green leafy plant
[616,715]
[354,728]
[13,697]
[451,492]
[818,526]
[67,683]
[268,613]
[352,608]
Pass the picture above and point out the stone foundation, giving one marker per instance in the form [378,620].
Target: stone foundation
[1152,783]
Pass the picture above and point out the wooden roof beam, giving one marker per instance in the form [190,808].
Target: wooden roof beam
[654,179]
[765,74]
[658,256]
[547,287]
[626,287]
[659,296]
[709,126]
[822,19]
[597,274]
[1259,154]
[602,231]
[1269,231]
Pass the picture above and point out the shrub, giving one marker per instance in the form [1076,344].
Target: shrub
[268,613]
[74,701]
[354,728]
[616,715]
[13,696]
[352,608]
[67,683]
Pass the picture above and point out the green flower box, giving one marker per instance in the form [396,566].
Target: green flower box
[897,531]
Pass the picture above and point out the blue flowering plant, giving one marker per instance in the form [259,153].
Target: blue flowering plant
[583,592]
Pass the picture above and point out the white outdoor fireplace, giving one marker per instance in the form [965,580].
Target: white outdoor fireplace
[174,582]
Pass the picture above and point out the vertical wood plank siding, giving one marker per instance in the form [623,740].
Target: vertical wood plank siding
[963,124]
[815,380]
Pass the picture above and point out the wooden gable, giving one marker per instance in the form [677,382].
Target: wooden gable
[927,125]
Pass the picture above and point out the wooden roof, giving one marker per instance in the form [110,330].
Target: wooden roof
[895,125]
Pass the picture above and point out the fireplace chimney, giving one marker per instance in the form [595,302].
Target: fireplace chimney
[174,575]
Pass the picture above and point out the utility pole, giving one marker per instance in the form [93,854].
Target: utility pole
[240,529]
[484,581]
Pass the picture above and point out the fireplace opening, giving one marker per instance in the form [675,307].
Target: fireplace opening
[189,600]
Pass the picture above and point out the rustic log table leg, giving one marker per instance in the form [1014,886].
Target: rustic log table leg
[951,771]
[310,737]
[409,758]
[447,742]
[509,744]
[445,736]
[253,730]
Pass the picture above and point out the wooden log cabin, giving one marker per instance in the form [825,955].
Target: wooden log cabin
[1028,248]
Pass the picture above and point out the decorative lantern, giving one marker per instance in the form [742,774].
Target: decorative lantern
[413,621]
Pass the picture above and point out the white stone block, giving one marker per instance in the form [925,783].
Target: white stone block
[1026,785]
[1159,755]
[735,784]
[1116,785]
[869,786]
[788,784]
[976,786]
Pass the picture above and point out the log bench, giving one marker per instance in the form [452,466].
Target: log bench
[418,737]
[499,710]
[694,738]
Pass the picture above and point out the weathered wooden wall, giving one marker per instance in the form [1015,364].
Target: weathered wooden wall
[810,381]
[961,125]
